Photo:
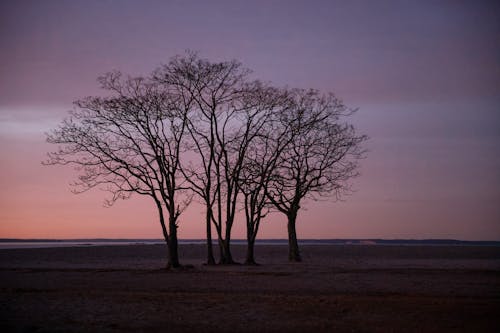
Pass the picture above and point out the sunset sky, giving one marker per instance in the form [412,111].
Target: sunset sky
[425,76]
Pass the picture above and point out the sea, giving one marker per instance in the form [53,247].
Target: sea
[8,243]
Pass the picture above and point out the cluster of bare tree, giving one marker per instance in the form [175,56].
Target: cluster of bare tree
[196,128]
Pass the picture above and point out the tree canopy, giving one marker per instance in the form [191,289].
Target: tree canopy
[196,128]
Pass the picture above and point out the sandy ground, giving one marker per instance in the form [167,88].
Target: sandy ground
[358,288]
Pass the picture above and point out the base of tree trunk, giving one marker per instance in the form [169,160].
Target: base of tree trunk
[231,262]
[179,267]
[295,259]
[294,255]
[251,263]
[210,260]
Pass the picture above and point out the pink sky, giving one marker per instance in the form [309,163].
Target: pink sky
[424,74]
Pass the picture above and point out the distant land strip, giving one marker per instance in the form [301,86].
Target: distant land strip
[371,241]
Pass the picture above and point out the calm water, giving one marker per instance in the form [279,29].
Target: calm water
[19,244]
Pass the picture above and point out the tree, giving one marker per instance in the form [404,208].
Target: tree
[196,127]
[260,162]
[321,156]
[129,142]
[225,120]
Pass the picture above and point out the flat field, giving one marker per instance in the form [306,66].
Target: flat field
[337,288]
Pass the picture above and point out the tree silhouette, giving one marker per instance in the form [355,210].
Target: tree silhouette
[221,127]
[261,160]
[320,158]
[205,129]
[129,143]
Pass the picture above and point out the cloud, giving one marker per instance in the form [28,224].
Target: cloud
[22,122]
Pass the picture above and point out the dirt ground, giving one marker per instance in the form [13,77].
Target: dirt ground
[341,288]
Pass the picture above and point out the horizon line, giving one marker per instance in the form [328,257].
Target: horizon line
[244,240]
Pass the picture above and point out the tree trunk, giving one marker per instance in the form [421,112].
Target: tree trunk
[250,260]
[226,257]
[172,255]
[224,248]
[210,251]
[173,252]
[252,227]
[293,245]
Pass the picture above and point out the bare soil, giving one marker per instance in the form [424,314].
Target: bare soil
[350,288]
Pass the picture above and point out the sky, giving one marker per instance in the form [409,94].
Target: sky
[425,76]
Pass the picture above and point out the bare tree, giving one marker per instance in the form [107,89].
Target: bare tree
[203,128]
[129,143]
[321,156]
[221,126]
[260,161]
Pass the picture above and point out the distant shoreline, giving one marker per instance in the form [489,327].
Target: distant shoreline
[10,243]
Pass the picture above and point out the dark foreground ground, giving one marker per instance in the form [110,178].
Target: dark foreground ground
[336,289]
